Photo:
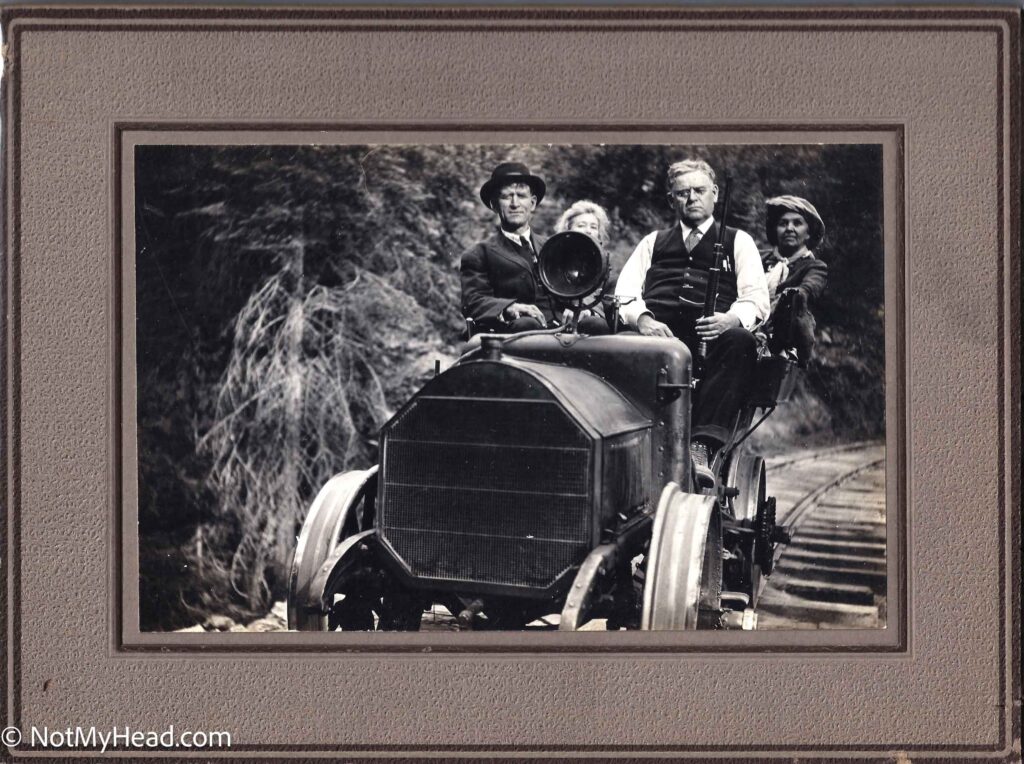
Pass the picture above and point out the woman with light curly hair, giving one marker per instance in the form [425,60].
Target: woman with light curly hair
[586,217]
[591,219]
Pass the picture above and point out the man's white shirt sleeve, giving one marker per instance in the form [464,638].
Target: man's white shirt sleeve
[631,280]
[751,306]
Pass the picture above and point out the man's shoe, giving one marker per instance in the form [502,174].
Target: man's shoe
[701,464]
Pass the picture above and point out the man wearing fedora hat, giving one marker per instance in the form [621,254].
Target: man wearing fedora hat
[501,288]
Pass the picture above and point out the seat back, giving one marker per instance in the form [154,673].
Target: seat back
[473,328]
[774,381]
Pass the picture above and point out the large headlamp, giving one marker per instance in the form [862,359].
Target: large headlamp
[572,265]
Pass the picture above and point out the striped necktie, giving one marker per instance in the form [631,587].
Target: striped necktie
[692,239]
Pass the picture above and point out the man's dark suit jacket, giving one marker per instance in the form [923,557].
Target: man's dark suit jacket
[495,274]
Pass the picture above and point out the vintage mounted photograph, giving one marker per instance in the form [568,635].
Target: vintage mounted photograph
[449,387]
[648,399]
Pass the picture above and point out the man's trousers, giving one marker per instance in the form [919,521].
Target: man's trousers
[725,384]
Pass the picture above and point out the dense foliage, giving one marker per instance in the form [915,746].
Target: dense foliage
[288,298]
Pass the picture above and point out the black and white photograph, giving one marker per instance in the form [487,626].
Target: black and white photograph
[546,387]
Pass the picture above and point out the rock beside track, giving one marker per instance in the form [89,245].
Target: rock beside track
[275,620]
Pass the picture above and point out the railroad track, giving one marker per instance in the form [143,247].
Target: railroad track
[833,573]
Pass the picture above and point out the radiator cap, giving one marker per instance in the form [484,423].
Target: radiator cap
[492,348]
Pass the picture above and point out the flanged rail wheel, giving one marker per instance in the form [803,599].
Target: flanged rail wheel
[747,473]
[344,507]
[682,580]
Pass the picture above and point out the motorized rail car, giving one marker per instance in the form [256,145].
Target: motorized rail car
[547,472]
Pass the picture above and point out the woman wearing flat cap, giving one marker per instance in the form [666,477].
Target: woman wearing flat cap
[501,288]
[796,278]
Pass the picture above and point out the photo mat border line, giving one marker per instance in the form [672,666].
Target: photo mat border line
[129,641]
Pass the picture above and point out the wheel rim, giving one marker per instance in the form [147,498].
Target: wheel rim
[677,582]
[334,515]
[353,592]
[747,474]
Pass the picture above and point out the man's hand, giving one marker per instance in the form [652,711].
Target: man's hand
[710,327]
[520,309]
[648,326]
[567,315]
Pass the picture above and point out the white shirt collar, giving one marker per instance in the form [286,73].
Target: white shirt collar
[516,238]
[703,227]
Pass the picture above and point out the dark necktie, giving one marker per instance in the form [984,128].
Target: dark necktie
[527,246]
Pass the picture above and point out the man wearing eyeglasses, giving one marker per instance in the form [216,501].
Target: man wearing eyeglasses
[665,278]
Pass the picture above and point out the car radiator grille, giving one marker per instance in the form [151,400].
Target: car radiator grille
[494,491]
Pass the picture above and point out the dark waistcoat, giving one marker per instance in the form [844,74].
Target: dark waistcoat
[676,273]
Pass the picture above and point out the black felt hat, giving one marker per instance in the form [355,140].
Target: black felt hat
[511,172]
